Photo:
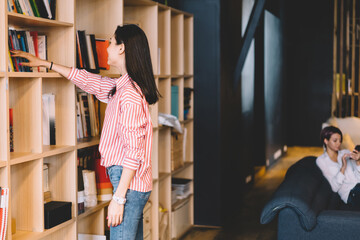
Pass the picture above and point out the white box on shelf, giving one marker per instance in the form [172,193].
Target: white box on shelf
[180,219]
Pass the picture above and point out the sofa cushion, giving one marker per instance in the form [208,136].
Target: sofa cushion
[304,190]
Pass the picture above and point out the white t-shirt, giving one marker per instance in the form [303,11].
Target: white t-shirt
[340,183]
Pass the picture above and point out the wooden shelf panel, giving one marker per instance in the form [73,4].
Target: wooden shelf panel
[48,151]
[87,142]
[91,210]
[24,235]
[3,164]
[34,75]
[186,165]
[139,3]
[17,19]
[2,74]
[163,176]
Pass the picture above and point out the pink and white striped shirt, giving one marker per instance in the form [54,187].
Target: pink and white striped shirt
[126,136]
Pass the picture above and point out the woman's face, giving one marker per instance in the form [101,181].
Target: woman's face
[114,51]
[334,142]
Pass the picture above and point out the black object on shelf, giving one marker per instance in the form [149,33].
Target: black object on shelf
[56,212]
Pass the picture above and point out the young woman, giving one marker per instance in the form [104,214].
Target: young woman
[126,139]
[340,167]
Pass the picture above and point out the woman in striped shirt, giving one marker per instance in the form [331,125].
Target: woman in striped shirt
[126,138]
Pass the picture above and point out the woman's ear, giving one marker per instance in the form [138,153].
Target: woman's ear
[121,49]
[326,142]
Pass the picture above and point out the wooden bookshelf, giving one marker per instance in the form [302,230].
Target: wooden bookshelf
[170,37]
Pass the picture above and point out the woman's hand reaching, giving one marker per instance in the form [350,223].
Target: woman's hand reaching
[33,61]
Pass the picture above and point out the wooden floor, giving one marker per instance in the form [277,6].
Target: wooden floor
[247,225]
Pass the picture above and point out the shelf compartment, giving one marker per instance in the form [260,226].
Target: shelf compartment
[145,16]
[25,100]
[164,54]
[65,230]
[63,90]
[188,45]
[165,91]
[189,83]
[88,14]
[4,121]
[165,202]
[27,197]
[180,83]
[164,148]
[93,223]
[62,173]
[177,43]
[88,142]
[17,19]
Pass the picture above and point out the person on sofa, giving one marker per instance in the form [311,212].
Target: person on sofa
[340,167]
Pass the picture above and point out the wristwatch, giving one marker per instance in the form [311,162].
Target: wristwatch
[119,200]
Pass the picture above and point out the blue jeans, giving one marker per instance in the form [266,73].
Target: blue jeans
[131,227]
[354,198]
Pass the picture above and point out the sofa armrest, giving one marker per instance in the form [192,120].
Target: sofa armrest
[304,190]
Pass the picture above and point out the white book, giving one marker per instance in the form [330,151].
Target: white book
[46,177]
[42,50]
[23,7]
[78,121]
[31,47]
[28,8]
[47,6]
[46,119]
[90,52]
[49,137]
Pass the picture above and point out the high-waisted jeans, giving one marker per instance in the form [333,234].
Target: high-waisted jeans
[131,227]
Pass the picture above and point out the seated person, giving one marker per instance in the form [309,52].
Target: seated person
[340,167]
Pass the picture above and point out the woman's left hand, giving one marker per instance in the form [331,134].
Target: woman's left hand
[115,214]
[355,155]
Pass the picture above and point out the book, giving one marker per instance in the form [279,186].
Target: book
[41,8]
[90,53]
[4,209]
[11,128]
[79,129]
[46,177]
[48,100]
[89,188]
[103,184]
[42,50]
[102,55]
[84,110]
[18,7]
[34,8]
[83,48]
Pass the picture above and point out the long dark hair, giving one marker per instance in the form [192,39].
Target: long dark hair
[138,60]
[327,132]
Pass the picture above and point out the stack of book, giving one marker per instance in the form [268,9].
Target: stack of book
[27,41]
[181,187]
[33,8]
[87,115]
[187,99]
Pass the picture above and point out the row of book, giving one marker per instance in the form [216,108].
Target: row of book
[33,8]
[93,183]
[87,115]
[91,52]
[27,41]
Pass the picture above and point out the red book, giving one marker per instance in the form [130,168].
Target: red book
[4,207]
[101,51]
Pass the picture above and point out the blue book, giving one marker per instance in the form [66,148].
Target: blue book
[175,101]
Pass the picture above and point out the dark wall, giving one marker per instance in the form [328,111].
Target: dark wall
[207,155]
[309,28]
[237,111]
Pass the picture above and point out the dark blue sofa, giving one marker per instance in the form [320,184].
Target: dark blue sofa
[308,209]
